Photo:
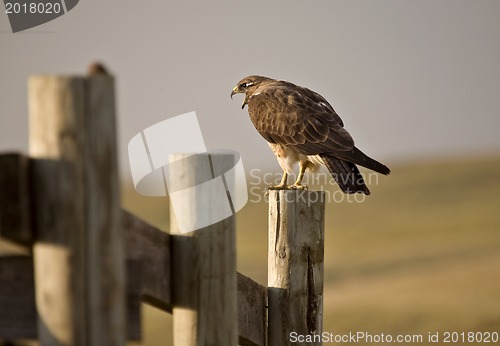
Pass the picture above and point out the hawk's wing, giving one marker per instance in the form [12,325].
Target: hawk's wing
[299,119]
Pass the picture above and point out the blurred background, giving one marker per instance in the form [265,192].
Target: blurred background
[416,83]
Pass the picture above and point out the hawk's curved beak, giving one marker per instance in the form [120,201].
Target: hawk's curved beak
[234,91]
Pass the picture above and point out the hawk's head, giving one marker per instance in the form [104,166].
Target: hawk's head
[248,85]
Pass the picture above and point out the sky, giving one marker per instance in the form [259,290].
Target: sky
[412,80]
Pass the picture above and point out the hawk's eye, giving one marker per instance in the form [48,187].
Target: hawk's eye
[246,85]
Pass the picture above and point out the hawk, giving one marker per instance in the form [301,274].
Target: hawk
[301,126]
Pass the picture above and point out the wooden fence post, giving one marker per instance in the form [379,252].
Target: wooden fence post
[79,249]
[204,261]
[295,265]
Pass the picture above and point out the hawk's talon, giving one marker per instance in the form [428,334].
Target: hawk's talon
[279,187]
[299,187]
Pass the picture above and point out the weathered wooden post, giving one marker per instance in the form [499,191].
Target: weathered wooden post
[295,265]
[204,260]
[79,249]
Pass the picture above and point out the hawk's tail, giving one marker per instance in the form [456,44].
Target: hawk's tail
[358,157]
[346,174]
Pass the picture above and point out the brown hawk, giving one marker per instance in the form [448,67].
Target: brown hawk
[301,126]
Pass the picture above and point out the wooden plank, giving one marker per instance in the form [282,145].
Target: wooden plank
[15,215]
[152,247]
[56,111]
[295,264]
[57,253]
[133,299]
[252,312]
[56,107]
[82,248]
[148,279]
[17,298]
[18,316]
[105,248]
[203,261]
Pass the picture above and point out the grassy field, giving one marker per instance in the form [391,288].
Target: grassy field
[420,255]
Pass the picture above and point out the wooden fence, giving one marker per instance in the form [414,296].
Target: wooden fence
[91,264]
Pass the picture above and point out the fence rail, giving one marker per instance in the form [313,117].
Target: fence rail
[91,264]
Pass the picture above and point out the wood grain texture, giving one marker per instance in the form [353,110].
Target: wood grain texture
[73,119]
[252,312]
[56,110]
[204,266]
[295,264]
[105,248]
